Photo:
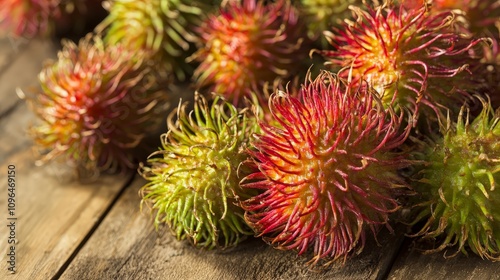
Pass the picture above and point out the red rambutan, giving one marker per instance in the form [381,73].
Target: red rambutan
[97,103]
[246,45]
[326,172]
[28,17]
[409,57]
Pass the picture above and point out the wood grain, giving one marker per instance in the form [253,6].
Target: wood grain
[54,214]
[412,264]
[125,246]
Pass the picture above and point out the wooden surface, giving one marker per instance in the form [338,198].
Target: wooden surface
[71,230]
[125,246]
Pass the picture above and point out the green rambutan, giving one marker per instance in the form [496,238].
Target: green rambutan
[458,200]
[411,58]
[246,45]
[97,103]
[162,27]
[194,177]
[327,172]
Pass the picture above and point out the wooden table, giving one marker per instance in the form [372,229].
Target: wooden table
[70,230]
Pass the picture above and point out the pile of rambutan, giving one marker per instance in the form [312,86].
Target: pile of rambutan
[403,114]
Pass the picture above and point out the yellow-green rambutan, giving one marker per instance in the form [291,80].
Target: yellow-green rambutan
[164,28]
[194,177]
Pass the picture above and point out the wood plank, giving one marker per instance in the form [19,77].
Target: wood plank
[412,264]
[125,246]
[54,214]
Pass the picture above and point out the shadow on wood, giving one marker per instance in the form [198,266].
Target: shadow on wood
[126,246]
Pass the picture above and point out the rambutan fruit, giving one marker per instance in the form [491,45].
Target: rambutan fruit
[458,201]
[194,177]
[97,103]
[327,172]
[248,44]
[162,27]
[411,58]
[28,18]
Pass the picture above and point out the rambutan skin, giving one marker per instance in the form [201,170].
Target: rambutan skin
[326,171]
[164,28]
[246,45]
[194,177]
[411,57]
[97,103]
[458,201]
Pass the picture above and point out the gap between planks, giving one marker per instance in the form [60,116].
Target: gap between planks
[65,265]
